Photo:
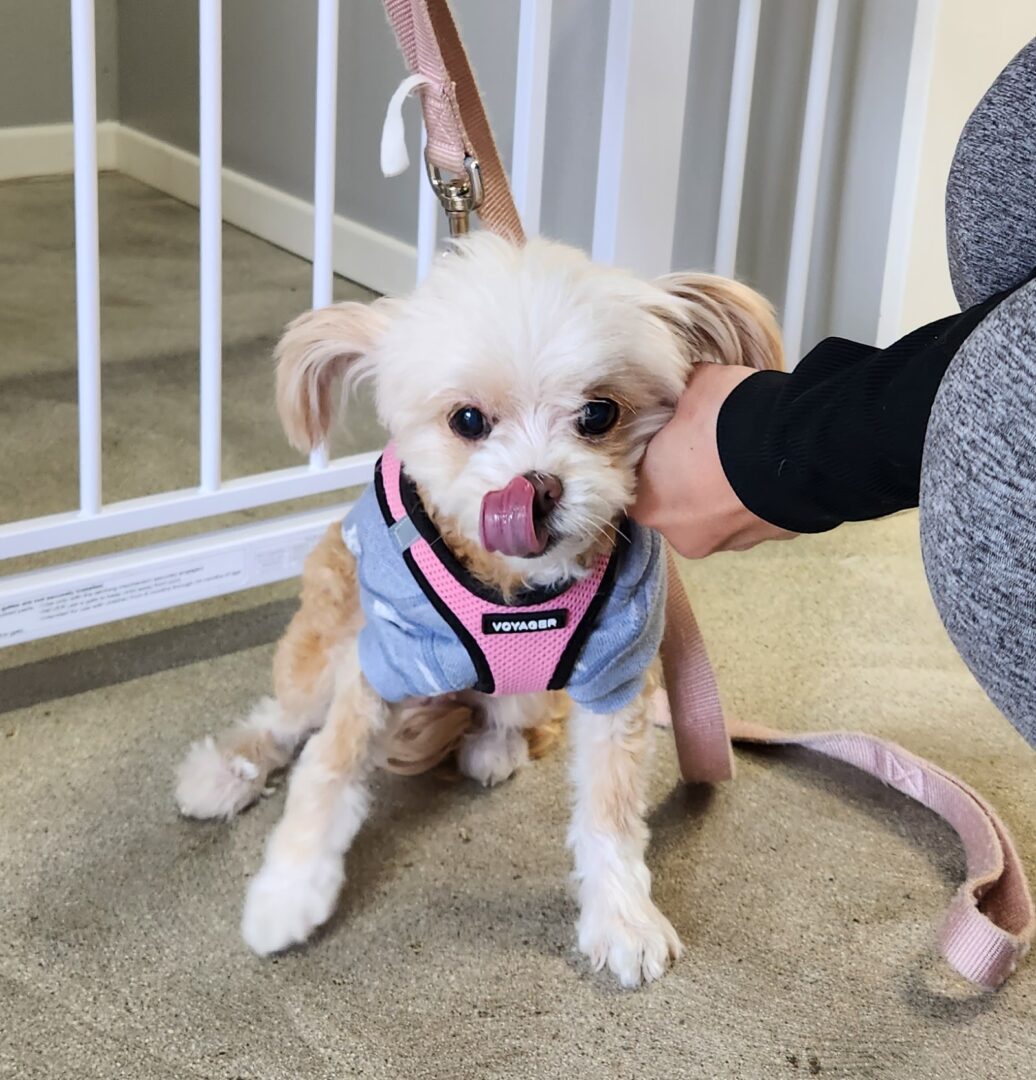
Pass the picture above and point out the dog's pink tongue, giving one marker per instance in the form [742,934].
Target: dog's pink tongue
[508,524]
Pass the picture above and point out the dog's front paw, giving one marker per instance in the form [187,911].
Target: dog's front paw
[213,782]
[635,940]
[286,902]
[493,755]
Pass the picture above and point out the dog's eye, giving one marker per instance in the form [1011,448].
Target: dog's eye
[469,423]
[598,417]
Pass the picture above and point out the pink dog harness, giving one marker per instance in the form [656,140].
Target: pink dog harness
[515,650]
[432,628]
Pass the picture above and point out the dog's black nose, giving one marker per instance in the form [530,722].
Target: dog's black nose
[548,488]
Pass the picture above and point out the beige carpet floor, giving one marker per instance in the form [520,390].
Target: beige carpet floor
[807,896]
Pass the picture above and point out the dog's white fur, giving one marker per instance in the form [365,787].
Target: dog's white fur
[527,335]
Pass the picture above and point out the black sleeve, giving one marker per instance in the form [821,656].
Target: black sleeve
[839,438]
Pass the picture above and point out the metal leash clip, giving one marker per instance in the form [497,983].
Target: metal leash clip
[459,195]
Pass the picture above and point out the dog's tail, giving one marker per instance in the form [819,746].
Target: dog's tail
[425,734]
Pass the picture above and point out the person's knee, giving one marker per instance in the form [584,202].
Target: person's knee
[978,506]
[991,188]
[998,648]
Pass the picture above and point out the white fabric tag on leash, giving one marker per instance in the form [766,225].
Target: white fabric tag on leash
[394,158]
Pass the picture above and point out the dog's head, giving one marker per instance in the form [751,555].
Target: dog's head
[521,386]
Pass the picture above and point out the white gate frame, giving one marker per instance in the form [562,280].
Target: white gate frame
[645,80]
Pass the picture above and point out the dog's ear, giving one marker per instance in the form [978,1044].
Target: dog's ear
[721,320]
[318,352]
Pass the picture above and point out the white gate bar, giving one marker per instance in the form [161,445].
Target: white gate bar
[427,215]
[638,164]
[530,110]
[324,169]
[738,118]
[324,153]
[175,507]
[613,124]
[88,294]
[804,216]
[908,171]
[210,212]
[46,602]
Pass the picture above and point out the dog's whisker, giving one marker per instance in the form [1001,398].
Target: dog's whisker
[605,527]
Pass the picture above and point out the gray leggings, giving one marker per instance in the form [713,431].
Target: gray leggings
[978,478]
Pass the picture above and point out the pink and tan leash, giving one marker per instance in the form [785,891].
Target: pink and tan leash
[991,920]
[460,141]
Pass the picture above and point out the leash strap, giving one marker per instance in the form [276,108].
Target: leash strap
[702,745]
[991,921]
[455,119]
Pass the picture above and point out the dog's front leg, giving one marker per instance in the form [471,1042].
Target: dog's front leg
[619,924]
[296,889]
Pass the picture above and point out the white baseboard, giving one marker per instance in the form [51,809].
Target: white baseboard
[46,149]
[368,256]
[373,258]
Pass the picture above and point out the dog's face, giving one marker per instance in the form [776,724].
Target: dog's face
[521,385]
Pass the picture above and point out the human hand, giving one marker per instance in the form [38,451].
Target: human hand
[683,491]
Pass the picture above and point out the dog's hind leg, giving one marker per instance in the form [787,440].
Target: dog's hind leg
[497,749]
[303,871]
[221,775]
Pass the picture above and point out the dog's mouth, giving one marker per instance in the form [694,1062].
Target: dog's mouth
[515,519]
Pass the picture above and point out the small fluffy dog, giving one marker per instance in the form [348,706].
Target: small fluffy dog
[520,387]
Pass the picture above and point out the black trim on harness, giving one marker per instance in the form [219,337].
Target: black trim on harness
[485,683]
[563,672]
[379,491]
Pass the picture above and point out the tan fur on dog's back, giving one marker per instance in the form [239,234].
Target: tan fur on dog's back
[329,614]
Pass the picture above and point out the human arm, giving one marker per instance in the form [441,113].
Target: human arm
[752,456]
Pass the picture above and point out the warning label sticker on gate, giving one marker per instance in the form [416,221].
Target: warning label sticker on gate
[110,588]
[101,600]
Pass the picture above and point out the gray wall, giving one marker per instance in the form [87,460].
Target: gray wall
[701,165]
[158,69]
[857,172]
[862,199]
[269,56]
[268,121]
[36,62]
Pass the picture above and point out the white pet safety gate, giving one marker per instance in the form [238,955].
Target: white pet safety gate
[635,210]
